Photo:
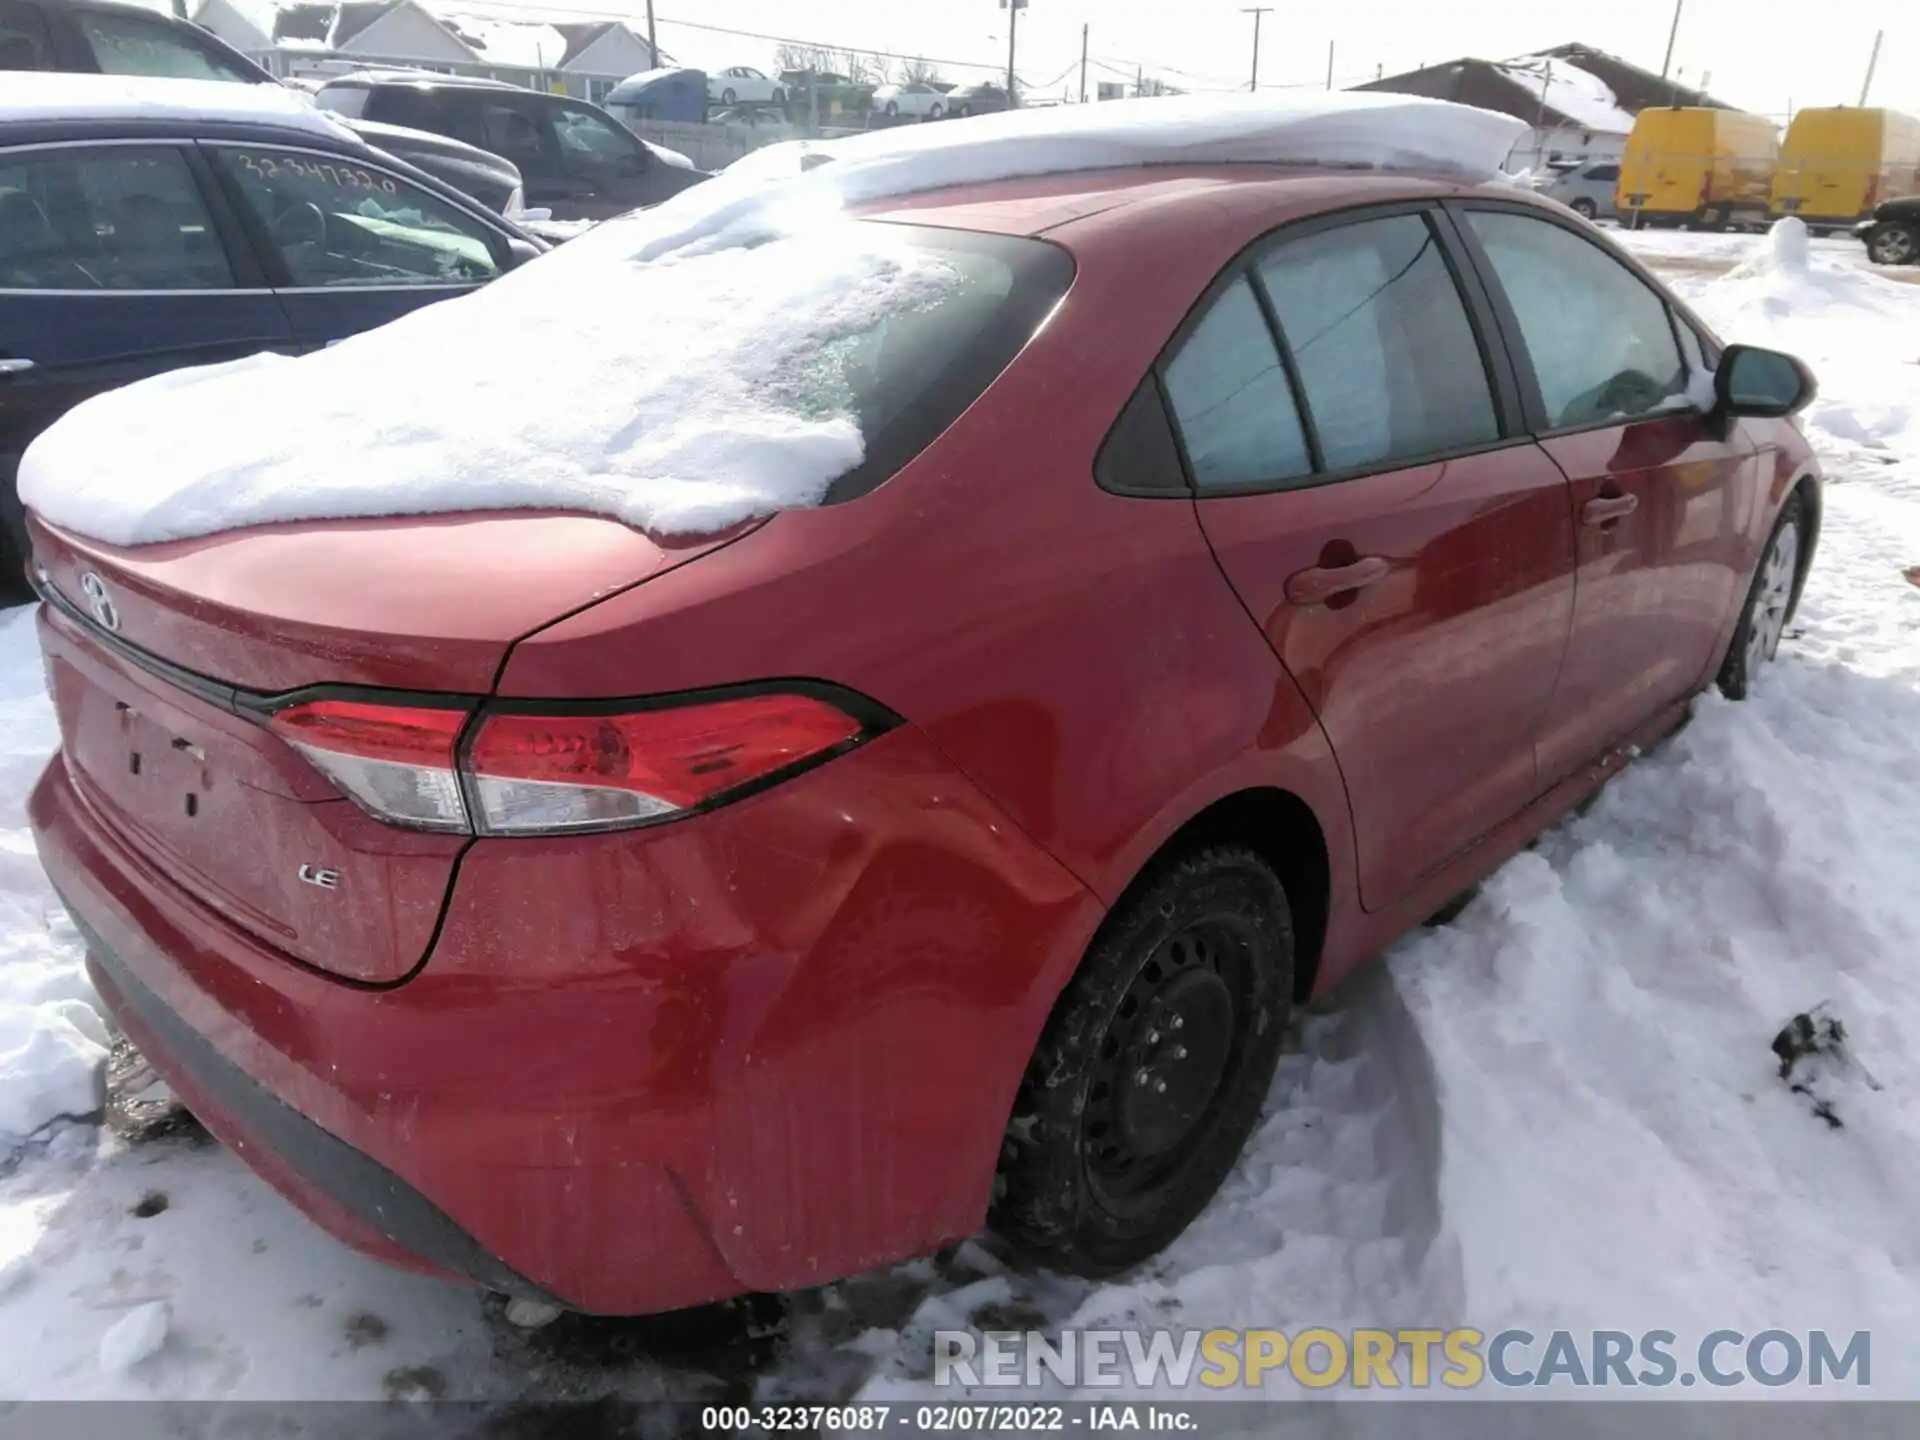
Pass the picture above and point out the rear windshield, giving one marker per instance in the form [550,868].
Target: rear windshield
[347,100]
[909,376]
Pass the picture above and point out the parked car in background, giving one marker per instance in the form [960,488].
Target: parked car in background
[1892,236]
[1697,166]
[982,99]
[491,179]
[100,37]
[626,921]
[1839,161]
[150,224]
[918,100]
[1587,189]
[575,160]
[744,85]
[97,36]
[761,121]
[833,94]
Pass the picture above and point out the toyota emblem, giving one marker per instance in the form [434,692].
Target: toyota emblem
[105,613]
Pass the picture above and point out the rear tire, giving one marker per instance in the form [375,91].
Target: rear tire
[1153,1068]
[1769,605]
[1894,242]
[893,109]
[1584,208]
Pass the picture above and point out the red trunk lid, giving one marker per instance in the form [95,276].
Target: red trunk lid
[219,806]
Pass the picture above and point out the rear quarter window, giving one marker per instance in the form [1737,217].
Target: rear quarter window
[910,377]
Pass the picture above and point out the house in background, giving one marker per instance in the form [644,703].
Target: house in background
[304,38]
[1578,103]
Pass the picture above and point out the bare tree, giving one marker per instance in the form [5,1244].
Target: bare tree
[862,68]
[811,58]
[916,72]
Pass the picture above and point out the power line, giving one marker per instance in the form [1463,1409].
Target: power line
[663,20]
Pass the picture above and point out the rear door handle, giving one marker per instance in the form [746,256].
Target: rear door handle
[14,366]
[1323,582]
[1605,509]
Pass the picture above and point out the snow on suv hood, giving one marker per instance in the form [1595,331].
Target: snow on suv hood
[664,368]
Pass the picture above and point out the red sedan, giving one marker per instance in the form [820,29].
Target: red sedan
[1244,564]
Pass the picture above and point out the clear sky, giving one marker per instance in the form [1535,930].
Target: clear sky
[1760,54]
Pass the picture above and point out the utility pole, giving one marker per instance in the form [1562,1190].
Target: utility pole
[1083,62]
[1672,34]
[1329,64]
[1013,9]
[653,48]
[1872,60]
[1256,11]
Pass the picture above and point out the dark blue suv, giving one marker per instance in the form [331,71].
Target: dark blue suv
[147,225]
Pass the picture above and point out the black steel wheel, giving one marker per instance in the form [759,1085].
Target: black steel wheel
[1153,1067]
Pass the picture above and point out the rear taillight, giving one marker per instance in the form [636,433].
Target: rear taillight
[529,773]
[573,772]
[397,761]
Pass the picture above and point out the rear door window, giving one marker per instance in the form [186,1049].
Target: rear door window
[1232,401]
[1381,340]
[1609,173]
[106,218]
[589,141]
[334,222]
[24,41]
[132,44]
[1600,339]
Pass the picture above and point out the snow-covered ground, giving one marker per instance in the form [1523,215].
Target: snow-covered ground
[1559,1111]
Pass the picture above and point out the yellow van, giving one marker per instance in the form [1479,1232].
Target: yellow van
[1839,162]
[1688,165]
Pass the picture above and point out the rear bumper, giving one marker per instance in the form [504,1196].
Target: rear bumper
[755,1050]
[349,1194]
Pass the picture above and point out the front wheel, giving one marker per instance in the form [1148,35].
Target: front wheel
[1756,640]
[1894,243]
[779,97]
[727,97]
[1153,1068]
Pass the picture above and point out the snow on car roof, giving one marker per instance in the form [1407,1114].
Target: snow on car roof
[39,95]
[676,388]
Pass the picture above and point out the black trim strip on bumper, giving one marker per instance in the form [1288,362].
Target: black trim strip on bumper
[352,1180]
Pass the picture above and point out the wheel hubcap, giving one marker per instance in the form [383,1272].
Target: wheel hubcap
[1164,1061]
[1894,247]
[1771,598]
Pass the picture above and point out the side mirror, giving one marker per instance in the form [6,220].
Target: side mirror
[1762,383]
[520,251]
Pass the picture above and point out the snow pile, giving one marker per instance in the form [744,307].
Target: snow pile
[1584,98]
[667,368]
[52,1044]
[134,1337]
[1863,328]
